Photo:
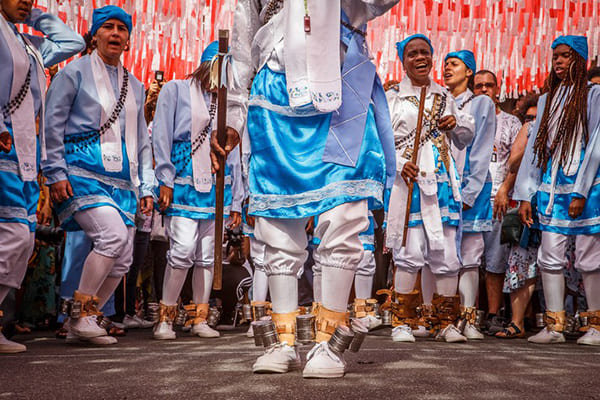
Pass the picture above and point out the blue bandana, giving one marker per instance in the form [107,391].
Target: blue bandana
[401,45]
[466,56]
[101,15]
[577,43]
[211,51]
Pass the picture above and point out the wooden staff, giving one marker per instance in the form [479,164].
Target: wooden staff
[413,159]
[220,183]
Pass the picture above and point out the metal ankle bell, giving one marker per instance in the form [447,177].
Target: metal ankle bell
[153,313]
[214,315]
[247,312]
[269,335]
[539,320]
[461,324]
[181,317]
[305,328]
[260,310]
[360,333]
[258,328]
[386,318]
[341,339]
[479,319]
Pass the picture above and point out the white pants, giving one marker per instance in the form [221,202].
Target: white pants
[16,246]
[417,254]
[192,243]
[552,252]
[257,253]
[110,236]
[471,249]
[367,264]
[285,240]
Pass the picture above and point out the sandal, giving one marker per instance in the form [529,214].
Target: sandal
[512,331]
[61,333]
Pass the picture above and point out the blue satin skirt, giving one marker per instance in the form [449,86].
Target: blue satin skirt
[288,178]
[92,185]
[558,220]
[18,198]
[187,201]
[479,217]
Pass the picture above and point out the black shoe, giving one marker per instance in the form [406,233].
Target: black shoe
[495,324]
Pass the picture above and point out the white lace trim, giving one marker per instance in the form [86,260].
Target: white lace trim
[262,102]
[364,188]
[79,202]
[206,210]
[564,223]
[9,166]
[477,226]
[367,239]
[563,189]
[107,180]
[9,212]
[188,180]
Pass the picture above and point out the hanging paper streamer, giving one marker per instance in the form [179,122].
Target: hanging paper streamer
[509,37]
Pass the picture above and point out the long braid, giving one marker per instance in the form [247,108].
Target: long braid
[574,114]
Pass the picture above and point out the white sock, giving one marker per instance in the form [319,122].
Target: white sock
[336,284]
[404,281]
[446,285]
[554,290]
[95,270]
[317,290]
[591,283]
[172,285]
[202,281]
[468,286]
[363,286]
[3,293]
[260,285]
[107,289]
[427,285]
[284,293]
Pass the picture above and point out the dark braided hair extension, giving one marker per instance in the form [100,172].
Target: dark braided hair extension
[574,114]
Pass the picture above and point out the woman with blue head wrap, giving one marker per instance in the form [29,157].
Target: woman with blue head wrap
[473,164]
[99,165]
[434,213]
[561,168]
[182,126]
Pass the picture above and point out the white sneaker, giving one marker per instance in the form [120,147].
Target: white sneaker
[164,331]
[10,347]
[403,333]
[203,330]
[547,336]
[451,334]
[591,337]
[472,333]
[86,327]
[370,322]
[421,332]
[250,332]
[322,362]
[131,322]
[143,323]
[280,358]
[98,340]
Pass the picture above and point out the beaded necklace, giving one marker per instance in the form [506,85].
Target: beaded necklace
[273,8]
[460,108]
[9,108]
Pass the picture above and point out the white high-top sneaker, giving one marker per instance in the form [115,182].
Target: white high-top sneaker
[98,340]
[164,331]
[421,332]
[86,327]
[203,330]
[279,358]
[547,336]
[403,333]
[451,334]
[322,362]
[10,347]
[370,321]
[250,332]
[471,332]
[591,337]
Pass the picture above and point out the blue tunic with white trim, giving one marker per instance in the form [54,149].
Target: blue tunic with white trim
[73,115]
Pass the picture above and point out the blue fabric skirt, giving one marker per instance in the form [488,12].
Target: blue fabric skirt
[449,208]
[187,201]
[479,217]
[558,221]
[92,185]
[288,178]
[18,198]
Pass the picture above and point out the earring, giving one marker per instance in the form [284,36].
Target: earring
[126,47]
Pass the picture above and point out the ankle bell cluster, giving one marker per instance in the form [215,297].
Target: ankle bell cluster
[81,305]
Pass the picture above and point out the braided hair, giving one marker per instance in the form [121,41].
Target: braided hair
[574,114]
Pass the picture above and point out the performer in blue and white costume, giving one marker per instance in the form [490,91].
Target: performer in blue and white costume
[183,121]
[473,165]
[23,58]
[318,147]
[99,160]
[561,165]
[436,202]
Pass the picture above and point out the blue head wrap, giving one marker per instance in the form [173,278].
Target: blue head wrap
[466,56]
[577,43]
[401,45]
[101,15]
[210,52]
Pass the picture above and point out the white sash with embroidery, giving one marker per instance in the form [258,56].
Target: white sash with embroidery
[110,141]
[312,60]
[201,164]
[23,118]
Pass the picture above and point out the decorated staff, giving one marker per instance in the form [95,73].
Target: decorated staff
[435,206]
[185,118]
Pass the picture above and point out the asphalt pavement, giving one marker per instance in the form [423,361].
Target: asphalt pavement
[139,367]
